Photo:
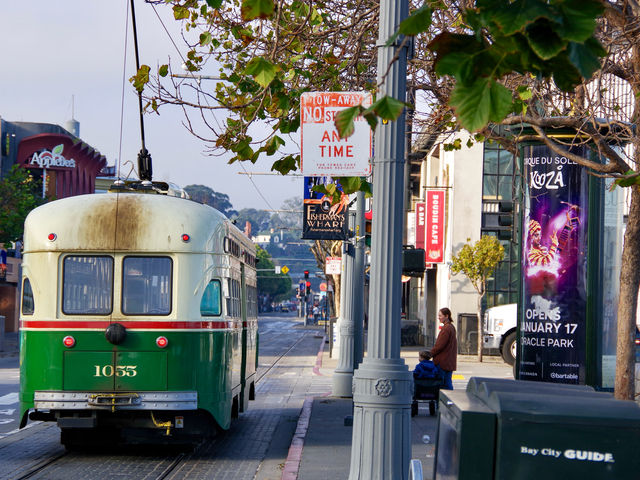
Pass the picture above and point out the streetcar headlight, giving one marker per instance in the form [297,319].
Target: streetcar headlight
[68,341]
[162,342]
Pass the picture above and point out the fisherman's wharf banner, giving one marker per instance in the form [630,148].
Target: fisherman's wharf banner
[554,268]
[322,220]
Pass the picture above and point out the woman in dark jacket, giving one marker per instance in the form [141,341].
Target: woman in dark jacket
[445,350]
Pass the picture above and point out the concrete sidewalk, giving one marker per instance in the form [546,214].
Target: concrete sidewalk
[326,446]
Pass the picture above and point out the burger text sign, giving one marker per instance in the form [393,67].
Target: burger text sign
[323,152]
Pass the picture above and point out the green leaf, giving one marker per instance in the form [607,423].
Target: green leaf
[57,149]
[252,9]
[627,182]
[524,92]
[579,19]
[543,39]
[243,150]
[262,70]
[457,64]
[272,145]
[417,22]
[320,189]
[180,13]
[565,75]
[388,108]
[141,78]
[205,38]
[163,70]
[344,121]
[501,103]
[480,102]
[214,3]
[288,125]
[285,164]
[350,184]
[514,17]
[367,188]
[585,57]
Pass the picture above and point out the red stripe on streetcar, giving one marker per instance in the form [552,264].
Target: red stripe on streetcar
[154,325]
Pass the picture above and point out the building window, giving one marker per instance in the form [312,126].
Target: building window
[498,191]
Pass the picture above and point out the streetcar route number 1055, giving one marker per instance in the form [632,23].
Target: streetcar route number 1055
[119,371]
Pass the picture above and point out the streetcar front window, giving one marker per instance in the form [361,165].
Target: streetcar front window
[87,285]
[211,304]
[146,286]
[28,305]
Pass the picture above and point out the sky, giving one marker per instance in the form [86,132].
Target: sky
[65,59]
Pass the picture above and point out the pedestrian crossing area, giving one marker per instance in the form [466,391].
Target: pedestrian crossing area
[8,412]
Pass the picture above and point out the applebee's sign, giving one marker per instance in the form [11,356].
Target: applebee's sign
[53,158]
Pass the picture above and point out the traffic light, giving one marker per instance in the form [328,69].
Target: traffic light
[308,285]
[368,218]
[306,274]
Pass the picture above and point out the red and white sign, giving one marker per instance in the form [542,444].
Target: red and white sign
[421,210]
[333,265]
[434,226]
[323,152]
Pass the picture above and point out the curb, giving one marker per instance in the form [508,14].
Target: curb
[294,457]
[292,464]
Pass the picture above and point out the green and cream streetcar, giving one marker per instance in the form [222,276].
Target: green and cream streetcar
[139,316]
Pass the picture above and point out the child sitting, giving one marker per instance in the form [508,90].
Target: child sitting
[426,368]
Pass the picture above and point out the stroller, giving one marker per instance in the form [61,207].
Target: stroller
[426,390]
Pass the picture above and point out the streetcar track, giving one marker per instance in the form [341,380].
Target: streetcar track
[41,466]
[281,356]
[177,461]
[180,459]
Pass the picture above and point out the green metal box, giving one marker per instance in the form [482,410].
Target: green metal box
[520,430]
[466,429]
[559,437]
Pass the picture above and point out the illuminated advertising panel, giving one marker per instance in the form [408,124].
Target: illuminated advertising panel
[553,324]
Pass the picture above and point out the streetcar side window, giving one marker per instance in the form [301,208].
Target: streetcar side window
[146,285]
[252,301]
[233,302]
[28,305]
[211,305]
[87,285]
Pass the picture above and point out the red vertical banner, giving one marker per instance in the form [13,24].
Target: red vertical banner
[420,224]
[434,226]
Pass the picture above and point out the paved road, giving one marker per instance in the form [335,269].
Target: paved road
[9,385]
[254,447]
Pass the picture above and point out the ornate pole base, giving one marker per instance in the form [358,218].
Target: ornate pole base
[343,374]
[381,447]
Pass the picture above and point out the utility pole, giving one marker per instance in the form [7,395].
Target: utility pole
[381,445]
[358,283]
[343,374]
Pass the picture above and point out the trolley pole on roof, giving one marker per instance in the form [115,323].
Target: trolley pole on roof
[381,447]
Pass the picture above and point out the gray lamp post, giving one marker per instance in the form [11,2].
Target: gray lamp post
[381,447]
[343,375]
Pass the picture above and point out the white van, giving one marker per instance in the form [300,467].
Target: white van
[500,330]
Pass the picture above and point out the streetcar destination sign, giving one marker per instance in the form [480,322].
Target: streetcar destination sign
[323,152]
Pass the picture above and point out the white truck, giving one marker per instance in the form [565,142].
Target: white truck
[500,330]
